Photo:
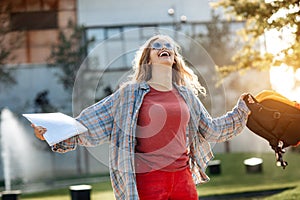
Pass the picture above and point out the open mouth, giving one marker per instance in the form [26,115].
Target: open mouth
[164,54]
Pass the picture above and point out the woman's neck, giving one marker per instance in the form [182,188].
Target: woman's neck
[161,78]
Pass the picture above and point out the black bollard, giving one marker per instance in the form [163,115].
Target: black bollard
[80,192]
[253,165]
[214,167]
[10,195]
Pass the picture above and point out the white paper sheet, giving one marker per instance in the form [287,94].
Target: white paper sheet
[59,126]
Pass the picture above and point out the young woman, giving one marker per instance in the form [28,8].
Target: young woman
[158,130]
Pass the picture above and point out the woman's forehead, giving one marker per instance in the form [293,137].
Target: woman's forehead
[163,39]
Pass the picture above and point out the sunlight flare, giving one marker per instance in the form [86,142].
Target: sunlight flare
[284,80]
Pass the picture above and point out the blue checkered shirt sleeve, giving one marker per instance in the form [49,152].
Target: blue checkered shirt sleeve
[98,119]
[223,128]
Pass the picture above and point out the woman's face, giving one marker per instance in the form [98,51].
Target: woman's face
[162,52]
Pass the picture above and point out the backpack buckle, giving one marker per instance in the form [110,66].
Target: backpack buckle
[276,115]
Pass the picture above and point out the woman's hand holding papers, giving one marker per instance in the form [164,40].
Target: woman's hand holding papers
[39,131]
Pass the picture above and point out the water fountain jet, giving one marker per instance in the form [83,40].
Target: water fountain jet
[5,119]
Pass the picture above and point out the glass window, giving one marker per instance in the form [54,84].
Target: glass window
[113,33]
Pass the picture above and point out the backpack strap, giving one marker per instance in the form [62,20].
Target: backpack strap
[279,151]
[276,144]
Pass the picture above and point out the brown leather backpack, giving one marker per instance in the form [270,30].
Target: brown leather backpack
[276,119]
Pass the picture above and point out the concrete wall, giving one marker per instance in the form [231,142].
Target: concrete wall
[32,79]
[105,12]
[31,159]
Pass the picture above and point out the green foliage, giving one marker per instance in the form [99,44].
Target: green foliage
[216,40]
[69,53]
[261,16]
[235,179]
[5,52]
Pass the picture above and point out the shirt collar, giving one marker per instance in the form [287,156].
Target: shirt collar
[145,86]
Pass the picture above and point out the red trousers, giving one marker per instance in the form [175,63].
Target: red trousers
[164,185]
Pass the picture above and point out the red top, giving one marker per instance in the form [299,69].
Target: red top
[161,132]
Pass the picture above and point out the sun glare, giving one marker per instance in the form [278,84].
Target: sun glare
[284,79]
[297,74]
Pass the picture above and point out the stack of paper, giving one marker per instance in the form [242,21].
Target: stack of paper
[59,126]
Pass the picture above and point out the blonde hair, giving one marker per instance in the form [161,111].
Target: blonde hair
[182,75]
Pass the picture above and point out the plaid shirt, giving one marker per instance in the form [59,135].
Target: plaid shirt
[114,120]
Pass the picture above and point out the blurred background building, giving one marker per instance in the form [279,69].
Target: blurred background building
[113,30]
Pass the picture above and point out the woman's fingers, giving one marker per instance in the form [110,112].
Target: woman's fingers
[39,131]
[250,99]
[247,97]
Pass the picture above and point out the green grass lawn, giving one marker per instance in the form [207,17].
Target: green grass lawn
[233,179]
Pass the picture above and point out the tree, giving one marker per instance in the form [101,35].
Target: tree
[219,45]
[69,53]
[260,17]
[6,44]
[217,41]
[42,103]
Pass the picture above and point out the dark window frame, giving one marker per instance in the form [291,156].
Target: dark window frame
[38,20]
